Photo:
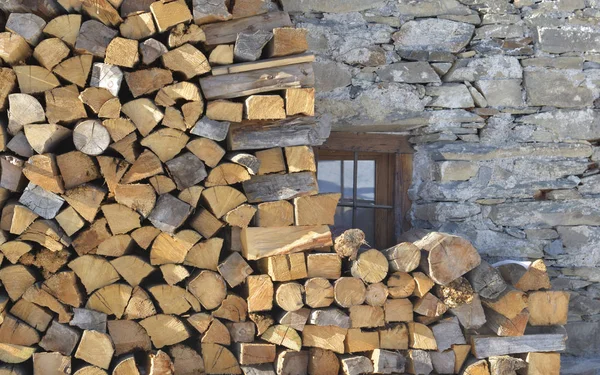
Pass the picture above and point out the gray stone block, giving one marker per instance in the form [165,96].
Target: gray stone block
[433,35]
[557,88]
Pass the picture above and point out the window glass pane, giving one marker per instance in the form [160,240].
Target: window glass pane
[365,220]
[329,176]
[348,179]
[365,180]
[343,220]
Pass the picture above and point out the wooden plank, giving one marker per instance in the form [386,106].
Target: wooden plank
[226,32]
[254,82]
[263,64]
[269,188]
[293,131]
[368,142]
[483,347]
[259,242]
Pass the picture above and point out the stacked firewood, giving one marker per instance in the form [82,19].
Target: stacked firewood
[161,215]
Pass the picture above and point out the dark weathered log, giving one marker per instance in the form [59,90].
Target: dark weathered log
[553,340]
[270,188]
[226,32]
[257,81]
[486,280]
[294,131]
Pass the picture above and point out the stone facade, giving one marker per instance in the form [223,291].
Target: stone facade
[500,101]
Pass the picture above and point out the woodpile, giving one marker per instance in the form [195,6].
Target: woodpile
[160,214]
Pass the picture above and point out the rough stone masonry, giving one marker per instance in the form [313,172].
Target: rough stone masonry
[500,99]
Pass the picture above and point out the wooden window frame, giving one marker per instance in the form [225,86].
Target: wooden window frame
[393,174]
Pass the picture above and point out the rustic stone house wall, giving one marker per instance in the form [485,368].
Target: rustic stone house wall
[499,99]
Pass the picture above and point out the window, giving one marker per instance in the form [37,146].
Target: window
[372,172]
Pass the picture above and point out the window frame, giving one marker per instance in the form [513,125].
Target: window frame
[393,175]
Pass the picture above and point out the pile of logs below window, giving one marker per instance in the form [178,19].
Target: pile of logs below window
[160,214]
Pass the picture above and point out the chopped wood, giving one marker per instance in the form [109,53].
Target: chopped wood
[548,308]
[60,338]
[140,305]
[271,161]
[151,49]
[349,291]
[262,64]
[357,365]
[404,257]
[138,26]
[486,280]
[328,266]
[206,11]
[270,188]
[219,360]
[423,284]
[50,52]
[31,314]
[40,201]
[287,240]
[158,363]
[283,336]
[259,290]
[254,81]
[543,363]
[477,368]
[371,266]
[56,362]
[14,48]
[186,359]
[27,25]
[95,348]
[221,55]
[75,69]
[127,336]
[16,219]
[502,326]
[10,353]
[65,27]
[187,170]
[324,337]
[206,223]
[448,257]
[142,82]
[90,137]
[289,296]
[256,353]
[532,277]
[394,337]
[226,32]
[376,294]
[233,308]
[483,347]
[421,337]
[23,110]
[132,268]
[509,304]
[167,15]
[138,197]
[358,340]
[234,269]
[284,267]
[249,44]
[111,299]
[122,52]
[103,11]
[209,287]
[287,41]
[184,33]
[400,285]
[419,362]
[125,366]
[16,279]
[165,330]
[93,38]
[107,76]
[187,60]
[217,333]
[8,78]
[89,320]
[398,310]
[13,331]
[470,315]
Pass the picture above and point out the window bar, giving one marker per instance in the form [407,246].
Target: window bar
[355,189]
[342,177]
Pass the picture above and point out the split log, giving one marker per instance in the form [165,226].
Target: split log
[287,41]
[358,340]
[138,26]
[133,269]
[95,348]
[186,359]
[93,38]
[329,317]
[234,270]
[376,294]
[8,78]
[89,320]
[271,161]
[486,280]
[249,44]
[206,223]
[205,254]
[398,310]
[294,131]
[111,299]
[219,360]
[270,188]
[284,336]
[165,330]
[543,363]
[14,48]
[285,267]
[28,25]
[50,52]
[167,15]
[423,284]
[357,365]
[448,257]
[419,362]
[283,240]
[256,353]
[140,305]
[55,363]
[65,27]
[404,257]
[548,308]
[328,266]
[60,338]
[263,64]
[242,332]
[221,55]
[324,337]
[13,331]
[262,321]
[461,352]
[151,49]
[294,319]
[16,279]
[125,366]
[75,69]
[23,110]
[429,306]
[505,365]
[103,11]
[142,82]
[400,285]
[509,304]
[554,340]
[128,336]
[94,272]
[226,32]
[158,363]
[525,277]
[470,315]
[31,314]
[502,326]
[209,287]
[253,82]
[394,337]
[206,150]
[88,240]
[187,60]
[477,368]
[448,333]
[421,337]
[259,289]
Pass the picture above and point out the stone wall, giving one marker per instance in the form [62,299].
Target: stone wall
[499,98]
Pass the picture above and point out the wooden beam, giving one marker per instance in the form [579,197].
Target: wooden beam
[226,32]
[259,243]
[554,340]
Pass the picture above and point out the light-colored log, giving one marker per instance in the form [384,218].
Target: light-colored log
[151,49]
[284,267]
[144,114]
[165,330]
[329,317]
[75,69]
[140,305]
[283,336]
[209,287]
[138,26]
[186,360]
[349,291]
[158,363]
[509,304]
[394,337]
[274,214]
[64,27]
[532,277]
[371,266]
[233,308]
[356,365]
[128,336]
[206,150]
[365,316]
[234,269]
[324,265]
[503,326]
[421,337]
[14,48]
[543,363]
[548,308]
[16,279]
[289,296]
[146,81]
[221,55]
[206,223]
[185,33]
[283,240]
[319,292]
[187,60]
[51,363]
[547,341]
[300,101]
[111,299]
[219,360]
[226,174]
[324,337]
[470,315]
[50,52]
[24,109]
[95,348]
[167,15]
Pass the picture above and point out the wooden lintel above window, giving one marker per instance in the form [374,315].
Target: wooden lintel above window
[368,142]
